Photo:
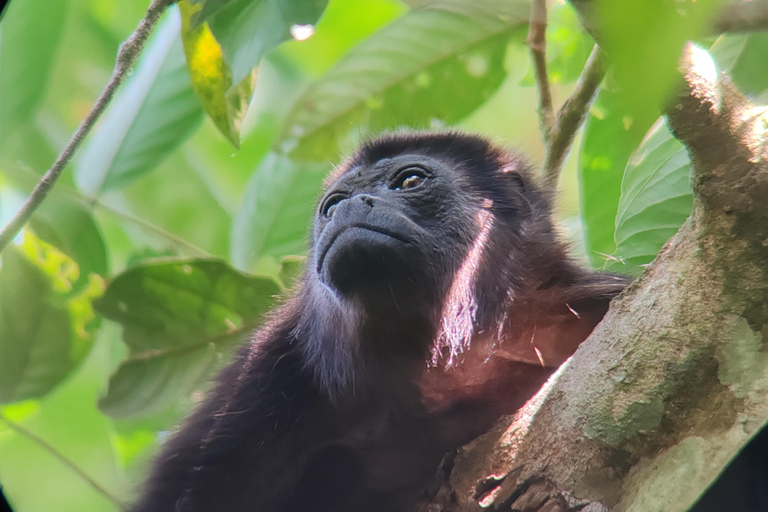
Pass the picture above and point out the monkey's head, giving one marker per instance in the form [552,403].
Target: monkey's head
[420,241]
[407,215]
[393,223]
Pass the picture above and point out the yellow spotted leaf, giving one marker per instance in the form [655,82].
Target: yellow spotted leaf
[47,325]
[211,76]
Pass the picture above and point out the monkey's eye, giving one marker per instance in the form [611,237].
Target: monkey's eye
[329,205]
[410,177]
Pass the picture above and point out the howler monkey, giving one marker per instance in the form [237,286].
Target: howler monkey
[436,298]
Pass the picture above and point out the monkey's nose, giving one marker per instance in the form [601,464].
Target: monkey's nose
[366,199]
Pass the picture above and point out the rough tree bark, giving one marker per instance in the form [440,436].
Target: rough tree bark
[674,381]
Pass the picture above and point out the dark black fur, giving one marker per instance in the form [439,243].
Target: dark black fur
[4,505]
[352,393]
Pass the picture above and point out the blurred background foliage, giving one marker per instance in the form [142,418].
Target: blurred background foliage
[184,216]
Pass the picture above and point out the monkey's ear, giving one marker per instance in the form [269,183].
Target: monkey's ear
[517,180]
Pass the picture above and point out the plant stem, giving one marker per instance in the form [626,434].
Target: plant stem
[571,116]
[537,29]
[126,57]
[42,443]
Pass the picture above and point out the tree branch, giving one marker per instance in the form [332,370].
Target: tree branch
[558,131]
[571,116]
[742,16]
[126,57]
[42,443]
[735,16]
[537,42]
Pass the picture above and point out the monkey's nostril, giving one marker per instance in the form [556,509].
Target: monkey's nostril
[367,200]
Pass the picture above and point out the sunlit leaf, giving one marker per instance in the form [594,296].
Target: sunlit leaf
[179,317]
[614,128]
[155,112]
[212,77]
[429,67]
[656,198]
[344,24]
[29,35]
[645,39]
[568,44]
[46,328]
[276,213]
[248,29]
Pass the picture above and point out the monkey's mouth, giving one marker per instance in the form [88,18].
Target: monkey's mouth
[367,227]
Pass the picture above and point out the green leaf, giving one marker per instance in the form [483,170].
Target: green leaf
[46,329]
[277,210]
[29,35]
[145,386]
[614,127]
[248,29]
[568,44]
[656,198]
[68,419]
[743,58]
[645,39]
[429,67]
[207,9]
[212,77]
[155,112]
[179,317]
[68,226]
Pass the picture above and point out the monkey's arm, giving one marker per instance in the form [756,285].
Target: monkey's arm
[243,447]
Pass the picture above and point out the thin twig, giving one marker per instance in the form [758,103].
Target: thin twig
[42,443]
[537,42]
[126,57]
[26,177]
[169,237]
[571,116]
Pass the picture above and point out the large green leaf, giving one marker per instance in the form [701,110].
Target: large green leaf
[656,198]
[207,9]
[248,29]
[276,212]
[45,328]
[614,128]
[430,67]
[743,58]
[154,113]
[178,318]
[68,420]
[29,34]
[151,385]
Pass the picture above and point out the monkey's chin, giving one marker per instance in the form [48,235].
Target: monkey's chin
[359,258]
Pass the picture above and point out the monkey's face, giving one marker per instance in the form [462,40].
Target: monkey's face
[393,229]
